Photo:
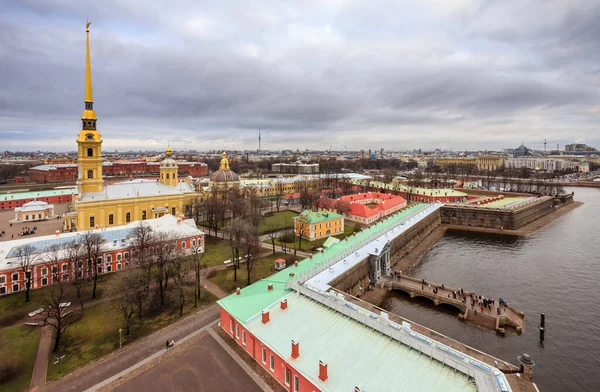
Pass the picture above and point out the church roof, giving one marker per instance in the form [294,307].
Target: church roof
[137,188]
[224,174]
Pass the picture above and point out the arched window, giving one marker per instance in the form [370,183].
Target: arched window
[128,217]
[167,176]
[90,152]
[90,174]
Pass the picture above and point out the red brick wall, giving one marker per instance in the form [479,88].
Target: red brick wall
[6,203]
[254,347]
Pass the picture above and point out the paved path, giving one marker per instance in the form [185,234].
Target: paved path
[38,378]
[213,288]
[111,364]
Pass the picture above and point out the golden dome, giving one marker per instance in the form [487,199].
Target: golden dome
[224,174]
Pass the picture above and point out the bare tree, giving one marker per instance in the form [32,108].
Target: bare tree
[251,247]
[273,230]
[343,207]
[142,250]
[92,247]
[197,249]
[74,254]
[57,313]
[127,290]
[26,257]
[179,272]
[235,229]
[166,255]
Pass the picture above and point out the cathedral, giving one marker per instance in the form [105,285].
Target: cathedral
[99,205]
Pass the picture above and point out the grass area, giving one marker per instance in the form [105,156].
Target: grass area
[371,205]
[261,268]
[308,246]
[13,306]
[277,219]
[97,333]
[217,251]
[18,348]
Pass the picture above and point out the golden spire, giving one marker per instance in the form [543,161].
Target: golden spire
[88,113]
[224,162]
[88,67]
[168,151]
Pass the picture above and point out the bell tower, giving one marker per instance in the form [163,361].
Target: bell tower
[169,169]
[89,141]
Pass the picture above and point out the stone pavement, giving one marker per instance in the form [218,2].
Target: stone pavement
[111,364]
[38,378]
[46,227]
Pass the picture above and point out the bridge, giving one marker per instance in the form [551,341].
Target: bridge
[495,317]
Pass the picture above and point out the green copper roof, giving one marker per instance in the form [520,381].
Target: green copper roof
[316,217]
[37,194]
[257,296]
[330,241]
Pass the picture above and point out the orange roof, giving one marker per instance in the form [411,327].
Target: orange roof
[387,201]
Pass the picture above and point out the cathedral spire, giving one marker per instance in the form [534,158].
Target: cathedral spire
[89,116]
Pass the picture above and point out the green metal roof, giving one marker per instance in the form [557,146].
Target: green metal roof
[316,217]
[330,241]
[37,194]
[257,296]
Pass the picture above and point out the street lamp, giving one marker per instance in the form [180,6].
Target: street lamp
[120,338]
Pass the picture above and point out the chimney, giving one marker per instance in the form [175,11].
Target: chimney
[296,263]
[265,316]
[270,287]
[238,291]
[322,370]
[291,274]
[283,304]
[295,348]
[57,233]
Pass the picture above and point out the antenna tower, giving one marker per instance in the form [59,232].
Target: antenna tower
[259,139]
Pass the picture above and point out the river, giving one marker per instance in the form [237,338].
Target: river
[556,271]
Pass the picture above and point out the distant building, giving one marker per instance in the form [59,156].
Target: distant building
[540,164]
[372,206]
[34,211]
[9,201]
[296,168]
[483,162]
[314,225]
[578,147]
[521,151]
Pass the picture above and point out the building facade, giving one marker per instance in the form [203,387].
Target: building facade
[539,164]
[296,168]
[9,201]
[369,207]
[99,205]
[314,225]
[482,162]
[114,255]
[34,211]
[578,147]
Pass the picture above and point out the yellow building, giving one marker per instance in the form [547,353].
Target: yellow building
[314,225]
[482,162]
[100,205]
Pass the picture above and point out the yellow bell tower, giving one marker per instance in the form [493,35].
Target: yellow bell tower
[89,141]
[169,169]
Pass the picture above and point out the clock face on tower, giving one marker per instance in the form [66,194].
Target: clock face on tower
[89,136]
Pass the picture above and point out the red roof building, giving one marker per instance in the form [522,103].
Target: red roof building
[372,206]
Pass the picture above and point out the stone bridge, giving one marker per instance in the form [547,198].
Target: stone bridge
[496,317]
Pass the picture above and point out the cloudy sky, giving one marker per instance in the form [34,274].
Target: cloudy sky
[395,74]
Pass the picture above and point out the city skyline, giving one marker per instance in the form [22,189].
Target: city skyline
[455,75]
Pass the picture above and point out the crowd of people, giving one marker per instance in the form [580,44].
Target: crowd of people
[27,231]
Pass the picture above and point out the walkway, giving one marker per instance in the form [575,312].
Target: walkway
[38,378]
[111,364]
[494,317]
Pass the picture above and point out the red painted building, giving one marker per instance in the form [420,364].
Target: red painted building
[115,253]
[68,172]
[10,201]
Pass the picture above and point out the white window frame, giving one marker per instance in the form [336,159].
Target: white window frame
[109,258]
[272,363]
[65,267]
[119,257]
[296,383]
[13,277]
[12,287]
[231,326]
[3,277]
[288,376]
[237,331]
[264,356]
[244,337]
[183,245]
[44,281]
[119,266]
[44,271]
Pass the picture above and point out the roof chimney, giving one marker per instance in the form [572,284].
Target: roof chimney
[295,348]
[322,370]
[270,287]
[296,263]
[238,291]
[283,304]
[265,316]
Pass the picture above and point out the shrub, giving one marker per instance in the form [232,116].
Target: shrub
[8,371]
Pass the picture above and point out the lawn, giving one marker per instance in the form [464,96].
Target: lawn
[97,333]
[18,348]
[217,251]
[261,268]
[13,307]
[276,219]
[308,246]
